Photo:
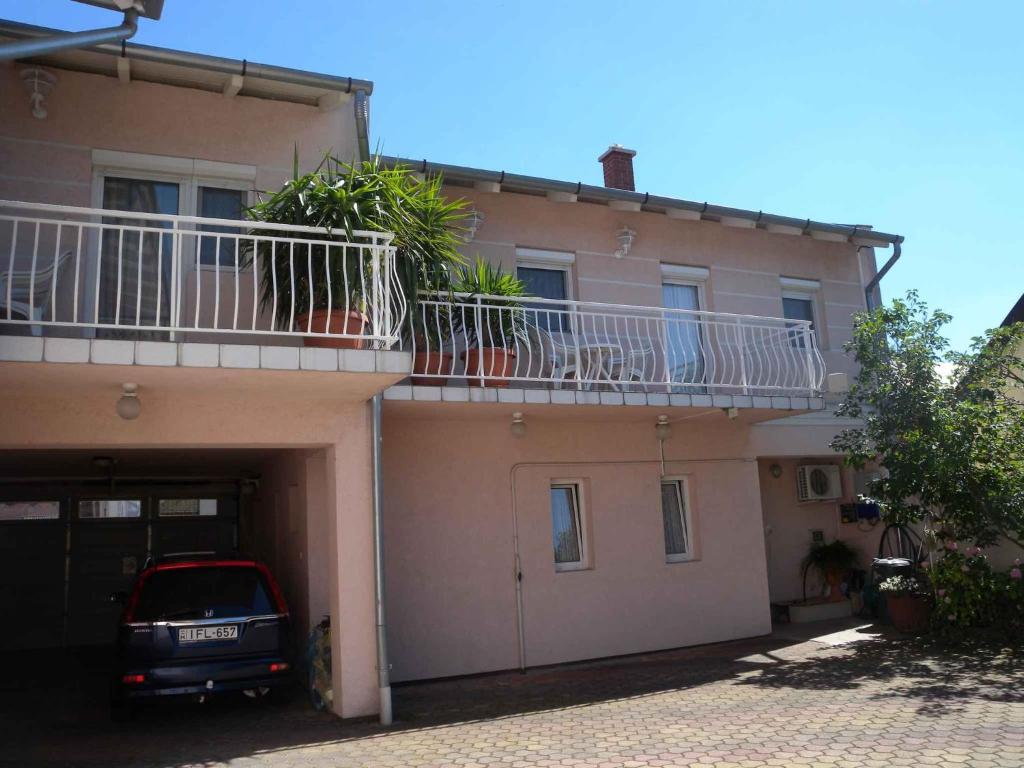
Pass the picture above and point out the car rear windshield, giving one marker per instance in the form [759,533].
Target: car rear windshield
[204,592]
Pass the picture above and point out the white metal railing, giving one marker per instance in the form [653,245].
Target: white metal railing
[139,274]
[590,345]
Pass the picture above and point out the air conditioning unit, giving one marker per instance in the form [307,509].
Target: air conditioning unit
[818,482]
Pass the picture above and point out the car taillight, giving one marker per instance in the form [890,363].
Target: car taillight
[133,679]
[281,666]
[128,615]
[282,606]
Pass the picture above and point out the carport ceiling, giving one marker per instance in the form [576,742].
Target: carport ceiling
[201,462]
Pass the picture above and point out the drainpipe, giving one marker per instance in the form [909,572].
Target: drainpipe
[870,287]
[383,668]
[362,109]
[22,49]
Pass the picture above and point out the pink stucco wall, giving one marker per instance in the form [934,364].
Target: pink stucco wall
[450,516]
[745,264]
[50,160]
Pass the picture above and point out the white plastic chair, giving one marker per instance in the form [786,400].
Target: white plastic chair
[20,283]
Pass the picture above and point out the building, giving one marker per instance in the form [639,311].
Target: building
[628,483]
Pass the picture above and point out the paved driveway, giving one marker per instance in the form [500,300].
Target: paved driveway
[781,701]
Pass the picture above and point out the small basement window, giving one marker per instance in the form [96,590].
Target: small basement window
[188,508]
[567,527]
[29,510]
[675,515]
[109,509]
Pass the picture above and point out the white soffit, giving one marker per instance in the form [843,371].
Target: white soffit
[487,186]
[784,229]
[682,213]
[799,284]
[544,256]
[681,271]
[624,205]
[557,196]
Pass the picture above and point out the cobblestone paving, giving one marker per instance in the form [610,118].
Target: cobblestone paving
[766,702]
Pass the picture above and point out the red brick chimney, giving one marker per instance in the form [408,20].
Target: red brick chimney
[618,167]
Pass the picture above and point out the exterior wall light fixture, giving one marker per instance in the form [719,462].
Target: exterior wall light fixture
[662,429]
[473,221]
[518,426]
[625,236]
[775,470]
[128,406]
[38,82]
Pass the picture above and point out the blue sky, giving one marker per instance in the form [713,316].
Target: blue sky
[905,115]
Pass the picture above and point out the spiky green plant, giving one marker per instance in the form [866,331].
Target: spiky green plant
[343,198]
[492,322]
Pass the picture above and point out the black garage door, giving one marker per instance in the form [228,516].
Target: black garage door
[65,550]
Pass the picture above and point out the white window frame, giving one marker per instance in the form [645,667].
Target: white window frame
[188,173]
[582,524]
[804,290]
[683,482]
[555,261]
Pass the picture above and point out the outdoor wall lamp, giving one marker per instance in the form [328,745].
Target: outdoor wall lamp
[38,82]
[128,406]
[662,429]
[474,219]
[732,413]
[625,236]
[775,470]
[518,425]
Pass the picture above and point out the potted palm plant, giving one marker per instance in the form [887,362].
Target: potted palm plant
[315,287]
[832,561]
[492,325]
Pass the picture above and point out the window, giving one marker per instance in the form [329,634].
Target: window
[29,510]
[684,352]
[187,508]
[798,298]
[135,265]
[215,592]
[567,527]
[217,203]
[675,515]
[105,509]
[546,274]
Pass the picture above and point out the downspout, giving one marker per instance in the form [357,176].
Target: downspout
[383,667]
[362,110]
[21,49]
[870,287]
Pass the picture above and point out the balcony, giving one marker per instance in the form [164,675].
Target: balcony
[608,353]
[122,274]
[95,285]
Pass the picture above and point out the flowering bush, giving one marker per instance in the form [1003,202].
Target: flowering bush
[969,594]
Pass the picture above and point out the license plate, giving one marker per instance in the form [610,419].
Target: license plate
[205,634]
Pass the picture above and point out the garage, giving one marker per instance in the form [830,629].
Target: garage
[77,527]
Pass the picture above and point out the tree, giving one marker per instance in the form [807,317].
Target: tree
[951,447]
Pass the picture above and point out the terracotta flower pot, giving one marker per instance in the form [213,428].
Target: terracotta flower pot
[909,613]
[834,579]
[438,364]
[495,362]
[341,322]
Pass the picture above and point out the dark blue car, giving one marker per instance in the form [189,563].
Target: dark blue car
[199,626]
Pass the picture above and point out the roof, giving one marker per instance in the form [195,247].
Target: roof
[191,70]
[1017,313]
[859,234]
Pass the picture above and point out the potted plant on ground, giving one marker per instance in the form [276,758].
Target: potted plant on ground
[324,294]
[832,561]
[492,325]
[907,603]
